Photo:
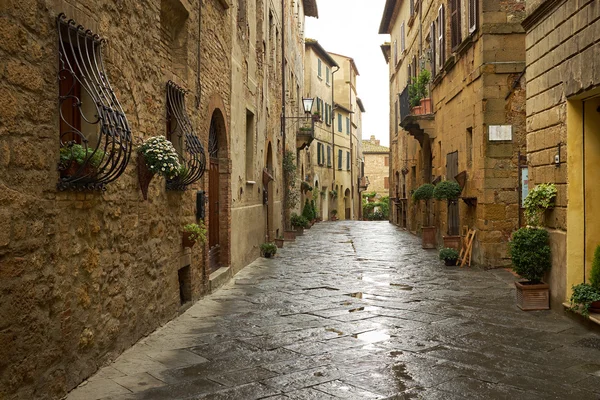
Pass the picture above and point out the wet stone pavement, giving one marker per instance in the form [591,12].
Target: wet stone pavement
[357,310]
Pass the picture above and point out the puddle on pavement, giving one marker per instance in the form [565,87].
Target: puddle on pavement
[356,309]
[401,286]
[340,333]
[372,336]
[358,295]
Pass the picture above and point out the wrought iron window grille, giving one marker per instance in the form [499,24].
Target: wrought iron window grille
[95,137]
[181,133]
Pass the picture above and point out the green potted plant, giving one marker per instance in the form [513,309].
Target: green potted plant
[308,213]
[449,256]
[417,94]
[333,193]
[268,250]
[449,191]
[72,157]
[529,249]
[315,213]
[586,296]
[530,253]
[299,223]
[333,215]
[193,233]
[425,193]
[279,241]
[156,156]
[305,187]
[316,116]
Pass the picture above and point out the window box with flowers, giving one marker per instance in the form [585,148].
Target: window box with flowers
[156,156]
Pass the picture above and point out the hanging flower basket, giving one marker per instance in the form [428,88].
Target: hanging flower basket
[144,175]
[157,156]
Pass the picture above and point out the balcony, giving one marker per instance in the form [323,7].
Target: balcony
[305,135]
[418,121]
[363,183]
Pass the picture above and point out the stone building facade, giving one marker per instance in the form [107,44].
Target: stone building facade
[86,273]
[470,125]
[563,120]
[377,166]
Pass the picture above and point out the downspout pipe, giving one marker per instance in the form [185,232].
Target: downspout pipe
[283,129]
[351,149]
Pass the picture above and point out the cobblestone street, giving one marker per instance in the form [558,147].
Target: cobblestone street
[357,310]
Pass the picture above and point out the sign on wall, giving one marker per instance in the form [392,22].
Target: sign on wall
[500,133]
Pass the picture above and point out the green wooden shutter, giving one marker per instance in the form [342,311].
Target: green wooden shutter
[340,156]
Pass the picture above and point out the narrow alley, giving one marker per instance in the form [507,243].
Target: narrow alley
[357,310]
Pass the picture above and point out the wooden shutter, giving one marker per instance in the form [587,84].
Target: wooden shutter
[412,7]
[340,157]
[329,156]
[409,73]
[319,67]
[473,15]
[402,38]
[339,122]
[433,40]
[395,52]
[348,160]
[396,116]
[455,23]
[441,30]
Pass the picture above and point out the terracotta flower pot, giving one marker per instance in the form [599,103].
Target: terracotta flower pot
[187,242]
[595,307]
[533,296]
[426,106]
[299,230]
[289,235]
[452,242]
[279,243]
[428,237]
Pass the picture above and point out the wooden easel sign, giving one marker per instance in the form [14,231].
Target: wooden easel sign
[466,249]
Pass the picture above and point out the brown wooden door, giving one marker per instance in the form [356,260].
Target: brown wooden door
[213,216]
[451,172]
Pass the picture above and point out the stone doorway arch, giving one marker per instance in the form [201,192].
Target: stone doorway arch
[347,204]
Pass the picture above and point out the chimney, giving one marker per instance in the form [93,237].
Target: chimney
[372,140]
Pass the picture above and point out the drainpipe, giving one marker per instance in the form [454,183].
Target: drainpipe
[332,123]
[351,151]
[284,180]
[198,83]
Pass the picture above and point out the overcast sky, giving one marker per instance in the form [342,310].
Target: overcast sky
[350,27]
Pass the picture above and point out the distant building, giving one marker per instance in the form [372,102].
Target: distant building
[377,166]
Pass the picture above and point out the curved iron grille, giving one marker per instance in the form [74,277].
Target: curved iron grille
[213,142]
[95,138]
[191,153]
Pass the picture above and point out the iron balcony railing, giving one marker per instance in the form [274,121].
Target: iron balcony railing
[404,104]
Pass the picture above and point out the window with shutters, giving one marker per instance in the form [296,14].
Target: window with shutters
[329,156]
[320,155]
[395,52]
[347,161]
[340,156]
[327,113]
[441,40]
[412,7]
[327,71]
[409,73]
[396,117]
[318,106]
[319,68]
[455,32]
[339,122]
[386,161]
[473,15]
[347,125]
[386,182]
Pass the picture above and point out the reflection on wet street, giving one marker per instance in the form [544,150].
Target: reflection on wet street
[357,310]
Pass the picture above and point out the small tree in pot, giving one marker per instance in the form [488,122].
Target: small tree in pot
[530,251]
[449,256]
[299,223]
[450,191]
[268,250]
[425,193]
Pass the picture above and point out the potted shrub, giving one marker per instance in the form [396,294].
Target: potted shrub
[315,213]
[268,250]
[193,233]
[417,94]
[586,296]
[279,241]
[333,215]
[299,223]
[449,190]
[156,156]
[425,193]
[530,253]
[308,213]
[74,156]
[449,256]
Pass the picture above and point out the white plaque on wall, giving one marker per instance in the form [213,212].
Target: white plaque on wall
[500,132]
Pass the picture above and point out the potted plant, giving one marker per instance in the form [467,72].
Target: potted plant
[193,233]
[308,213]
[425,193]
[530,253]
[72,157]
[299,223]
[449,190]
[586,296]
[333,215]
[315,213]
[156,156]
[279,241]
[316,116]
[417,94]
[268,250]
[333,194]
[305,187]
[449,255]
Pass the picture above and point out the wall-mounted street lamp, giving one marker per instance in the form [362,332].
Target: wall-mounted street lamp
[308,104]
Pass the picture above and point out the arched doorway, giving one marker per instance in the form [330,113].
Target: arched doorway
[218,240]
[347,204]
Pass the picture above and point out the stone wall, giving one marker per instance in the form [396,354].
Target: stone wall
[563,43]
[84,275]
[377,170]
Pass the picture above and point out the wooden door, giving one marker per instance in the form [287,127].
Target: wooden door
[451,172]
[213,216]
